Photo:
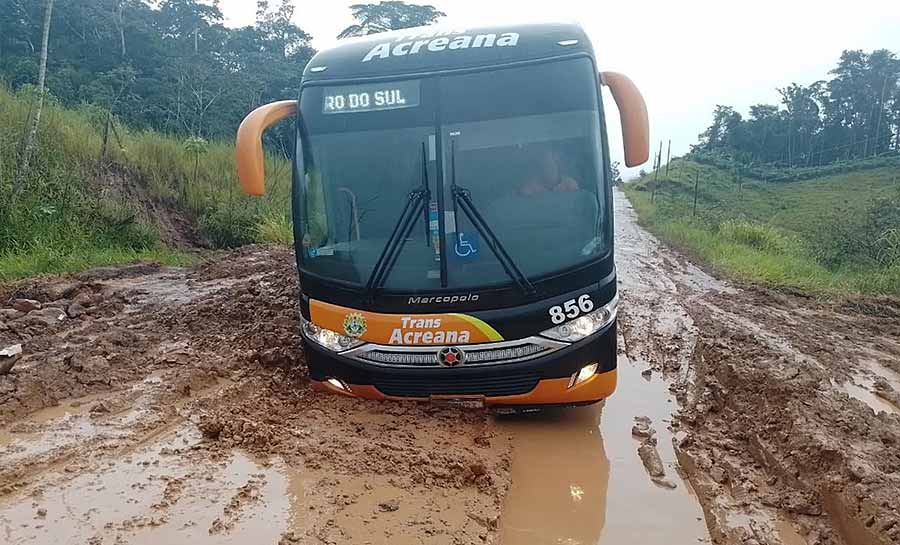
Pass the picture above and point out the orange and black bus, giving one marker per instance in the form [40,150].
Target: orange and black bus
[453,215]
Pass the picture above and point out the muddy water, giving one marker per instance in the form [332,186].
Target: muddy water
[73,423]
[577,477]
[641,511]
[155,496]
[52,427]
[788,534]
[862,389]
[560,478]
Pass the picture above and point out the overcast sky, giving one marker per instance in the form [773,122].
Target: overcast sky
[686,56]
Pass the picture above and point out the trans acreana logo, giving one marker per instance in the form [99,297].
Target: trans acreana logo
[434,41]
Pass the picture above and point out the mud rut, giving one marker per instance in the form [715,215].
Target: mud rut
[171,406]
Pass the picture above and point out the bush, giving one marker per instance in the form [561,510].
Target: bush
[229,227]
[276,228]
[755,235]
[868,239]
[889,244]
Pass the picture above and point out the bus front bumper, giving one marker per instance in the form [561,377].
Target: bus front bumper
[551,391]
[545,380]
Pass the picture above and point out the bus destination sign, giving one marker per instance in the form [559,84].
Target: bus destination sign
[370,97]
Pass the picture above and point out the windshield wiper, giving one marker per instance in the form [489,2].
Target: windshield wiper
[462,197]
[415,204]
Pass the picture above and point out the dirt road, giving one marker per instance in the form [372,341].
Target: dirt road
[171,406]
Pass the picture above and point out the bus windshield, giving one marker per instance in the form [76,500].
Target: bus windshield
[524,144]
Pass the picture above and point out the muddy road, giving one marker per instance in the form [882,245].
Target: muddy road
[161,405]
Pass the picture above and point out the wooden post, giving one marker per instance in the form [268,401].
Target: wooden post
[668,157]
[112,125]
[696,187]
[656,173]
[105,137]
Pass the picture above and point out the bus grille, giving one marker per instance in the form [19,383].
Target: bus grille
[476,354]
[488,386]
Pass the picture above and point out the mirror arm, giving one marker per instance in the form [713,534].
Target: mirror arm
[633,114]
[248,147]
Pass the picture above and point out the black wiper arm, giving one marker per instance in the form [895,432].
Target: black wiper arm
[463,198]
[415,205]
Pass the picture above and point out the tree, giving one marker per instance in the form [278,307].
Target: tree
[858,110]
[764,130]
[855,114]
[13,21]
[196,146]
[614,173]
[277,30]
[186,21]
[724,133]
[169,65]
[802,107]
[391,15]
[36,120]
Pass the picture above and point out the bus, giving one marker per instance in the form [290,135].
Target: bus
[453,216]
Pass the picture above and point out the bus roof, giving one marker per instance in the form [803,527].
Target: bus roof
[437,48]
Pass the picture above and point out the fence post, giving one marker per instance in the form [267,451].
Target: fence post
[105,137]
[668,157]
[696,187]
[656,173]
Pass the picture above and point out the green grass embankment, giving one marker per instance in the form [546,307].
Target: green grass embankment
[76,210]
[834,235]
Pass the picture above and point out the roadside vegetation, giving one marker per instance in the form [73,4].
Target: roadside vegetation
[76,209]
[837,234]
[801,194]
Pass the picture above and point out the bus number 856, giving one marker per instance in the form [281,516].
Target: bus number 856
[571,309]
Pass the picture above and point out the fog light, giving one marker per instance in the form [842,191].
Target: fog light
[583,374]
[337,383]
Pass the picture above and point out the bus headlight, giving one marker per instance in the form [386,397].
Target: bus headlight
[585,325]
[332,340]
[583,374]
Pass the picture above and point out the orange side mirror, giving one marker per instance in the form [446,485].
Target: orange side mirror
[633,113]
[248,148]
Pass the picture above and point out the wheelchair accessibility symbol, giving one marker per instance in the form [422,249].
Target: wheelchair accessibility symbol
[466,245]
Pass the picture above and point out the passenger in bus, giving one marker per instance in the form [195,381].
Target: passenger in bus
[548,176]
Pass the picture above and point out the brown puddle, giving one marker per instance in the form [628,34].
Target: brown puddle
[560,477]
[156,496]
[572,484]
[788,534]
[864,392]
[49,428]
[72,423]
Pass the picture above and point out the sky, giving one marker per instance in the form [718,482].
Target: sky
[685,56]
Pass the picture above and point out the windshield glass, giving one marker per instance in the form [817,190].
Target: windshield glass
[524,142]
[363,159]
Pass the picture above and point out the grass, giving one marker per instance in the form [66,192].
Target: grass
[275,228]
[66,220]
[47,261]
[819,236]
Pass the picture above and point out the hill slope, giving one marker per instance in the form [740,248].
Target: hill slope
[833,234]
[150,196]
